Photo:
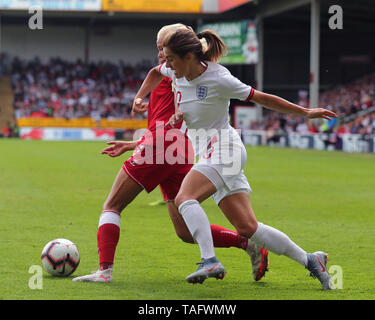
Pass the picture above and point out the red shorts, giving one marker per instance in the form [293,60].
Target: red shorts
[152,170]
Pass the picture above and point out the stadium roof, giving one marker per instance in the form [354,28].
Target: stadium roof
[358,14]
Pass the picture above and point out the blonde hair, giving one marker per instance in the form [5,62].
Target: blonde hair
[167,30]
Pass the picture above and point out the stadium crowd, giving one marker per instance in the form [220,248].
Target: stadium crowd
[73,90]
[65,89]
[354,103]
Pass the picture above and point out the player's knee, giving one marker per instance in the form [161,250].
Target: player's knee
[181,198]
[247,229]
[178,200]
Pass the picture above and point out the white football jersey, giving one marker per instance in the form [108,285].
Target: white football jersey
[205,103]
[205,100]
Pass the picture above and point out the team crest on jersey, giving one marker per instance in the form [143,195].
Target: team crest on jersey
[202,92]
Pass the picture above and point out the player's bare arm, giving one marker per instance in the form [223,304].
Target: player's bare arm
[281,105]
[175,119]
[117,148]
[139,107]
[152,80]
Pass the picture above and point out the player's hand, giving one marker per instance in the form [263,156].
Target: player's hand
[138,107]
[320,113]
[117,148]
[175,119]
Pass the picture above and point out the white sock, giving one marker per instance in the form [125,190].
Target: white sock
[197,222]
[279,243]
[110,216]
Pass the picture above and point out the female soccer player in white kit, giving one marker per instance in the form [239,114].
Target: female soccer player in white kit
[203,92]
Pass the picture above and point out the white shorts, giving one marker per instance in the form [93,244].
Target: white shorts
[223,166]
[225,185]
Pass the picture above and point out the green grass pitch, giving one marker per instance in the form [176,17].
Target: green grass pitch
[322,200]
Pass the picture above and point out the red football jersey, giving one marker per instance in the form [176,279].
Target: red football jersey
[149,165]
[161,104]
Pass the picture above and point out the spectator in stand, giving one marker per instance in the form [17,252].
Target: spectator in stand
[302,127]
[372,123]
[73,90]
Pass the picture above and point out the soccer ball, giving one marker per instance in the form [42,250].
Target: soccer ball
[60,257]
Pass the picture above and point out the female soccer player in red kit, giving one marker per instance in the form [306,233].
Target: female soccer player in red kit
[138,174]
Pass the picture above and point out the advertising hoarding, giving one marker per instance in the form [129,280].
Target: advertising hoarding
[241,39]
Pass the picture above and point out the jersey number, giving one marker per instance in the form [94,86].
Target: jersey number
[178,98]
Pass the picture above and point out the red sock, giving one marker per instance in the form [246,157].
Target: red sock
[225,238]
[107,237]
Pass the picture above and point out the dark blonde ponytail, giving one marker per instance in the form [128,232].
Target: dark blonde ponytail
[213,47]
[206,46]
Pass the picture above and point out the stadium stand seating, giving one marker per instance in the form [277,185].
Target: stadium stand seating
[353,102]
[65,94]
